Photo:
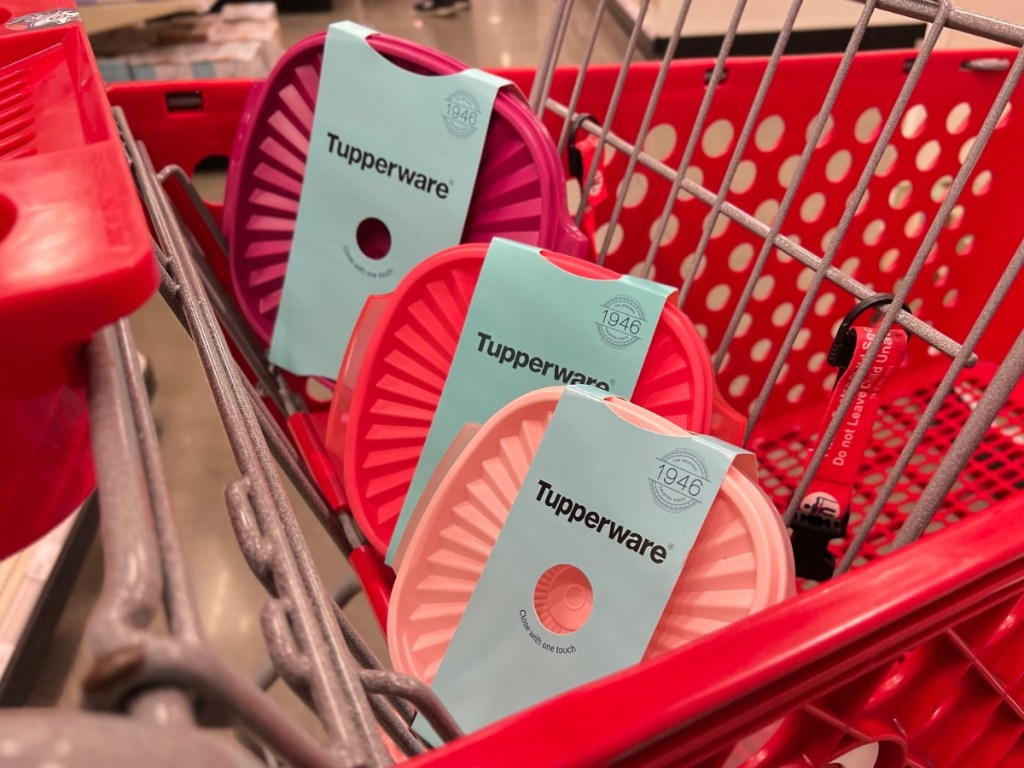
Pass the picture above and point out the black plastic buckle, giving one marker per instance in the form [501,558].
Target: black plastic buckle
[841,352]
[813,528]
[576,169]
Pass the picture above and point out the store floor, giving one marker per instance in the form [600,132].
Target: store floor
[198,462]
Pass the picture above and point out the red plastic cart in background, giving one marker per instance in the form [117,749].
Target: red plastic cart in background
[779,192]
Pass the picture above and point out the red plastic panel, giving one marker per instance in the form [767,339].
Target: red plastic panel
[74,257]
[185,123]
[993,475]
[947,110]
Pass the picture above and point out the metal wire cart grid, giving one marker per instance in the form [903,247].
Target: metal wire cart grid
[954,613]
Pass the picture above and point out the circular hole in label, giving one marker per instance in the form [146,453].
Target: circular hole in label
[373,238]
[563,599]
[8,214]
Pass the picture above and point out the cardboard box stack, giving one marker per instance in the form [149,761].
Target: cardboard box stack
[243,40]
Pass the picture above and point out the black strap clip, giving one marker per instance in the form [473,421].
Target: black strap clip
[841,352]
[817,522]
[576,169]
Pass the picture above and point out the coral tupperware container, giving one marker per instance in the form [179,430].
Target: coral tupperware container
[740,563]
[74,256]
[399,357]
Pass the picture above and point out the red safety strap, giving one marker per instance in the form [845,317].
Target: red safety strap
[824,510]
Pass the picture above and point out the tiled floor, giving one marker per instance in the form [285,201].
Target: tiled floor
[198,462]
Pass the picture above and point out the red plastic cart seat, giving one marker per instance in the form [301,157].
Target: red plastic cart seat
[74,256]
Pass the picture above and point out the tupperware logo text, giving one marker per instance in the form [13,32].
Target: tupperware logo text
[505,353]
[367,161]
[574,512]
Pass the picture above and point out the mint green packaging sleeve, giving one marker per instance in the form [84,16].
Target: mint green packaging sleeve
[389,148]
[621,503]
[531,324]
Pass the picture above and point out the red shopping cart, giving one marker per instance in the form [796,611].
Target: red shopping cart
[777,192]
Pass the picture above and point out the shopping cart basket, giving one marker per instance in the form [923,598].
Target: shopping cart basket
[779,191]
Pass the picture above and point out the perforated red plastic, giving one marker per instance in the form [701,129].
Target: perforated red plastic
[74,256]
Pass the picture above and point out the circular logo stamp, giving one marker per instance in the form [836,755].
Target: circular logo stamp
[461,114]
[821,503]
[680,480]
[43,19]
[621,322]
